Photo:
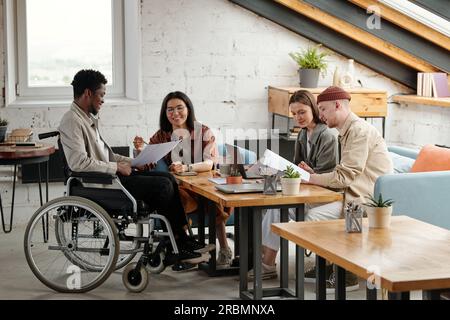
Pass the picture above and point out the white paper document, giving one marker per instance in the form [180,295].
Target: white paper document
[273,160]
[153,153]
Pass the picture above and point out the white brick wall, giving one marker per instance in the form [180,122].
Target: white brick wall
[223,57]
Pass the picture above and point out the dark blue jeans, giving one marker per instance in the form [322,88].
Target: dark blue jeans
[160,191]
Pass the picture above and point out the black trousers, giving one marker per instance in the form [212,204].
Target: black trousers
[160,191]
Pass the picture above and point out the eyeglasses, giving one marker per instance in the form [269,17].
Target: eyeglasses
[178,109]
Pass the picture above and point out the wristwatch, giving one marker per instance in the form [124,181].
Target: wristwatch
[190,168]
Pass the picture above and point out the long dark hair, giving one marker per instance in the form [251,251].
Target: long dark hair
[305,97]
[164,123]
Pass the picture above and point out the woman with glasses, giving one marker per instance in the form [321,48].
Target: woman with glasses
[197,152]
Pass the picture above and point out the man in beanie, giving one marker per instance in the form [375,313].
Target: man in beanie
[363,152]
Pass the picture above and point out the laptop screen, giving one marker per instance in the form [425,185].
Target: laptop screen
[237,159]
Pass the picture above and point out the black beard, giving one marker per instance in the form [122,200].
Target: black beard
[93,111]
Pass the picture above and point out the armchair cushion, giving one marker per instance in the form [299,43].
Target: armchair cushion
[401,164]
[432,158]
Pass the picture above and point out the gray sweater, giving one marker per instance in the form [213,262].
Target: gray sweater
[323,156]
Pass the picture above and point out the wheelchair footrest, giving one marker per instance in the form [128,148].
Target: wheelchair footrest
[182,266]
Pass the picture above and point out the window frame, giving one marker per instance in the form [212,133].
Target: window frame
[127,76]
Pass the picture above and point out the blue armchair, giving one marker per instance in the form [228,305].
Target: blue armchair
[421,195]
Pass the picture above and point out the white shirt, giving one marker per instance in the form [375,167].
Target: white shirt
[102,144]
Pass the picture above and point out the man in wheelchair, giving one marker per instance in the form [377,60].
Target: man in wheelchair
[86,151]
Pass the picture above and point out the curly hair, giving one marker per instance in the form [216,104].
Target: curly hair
[87,79]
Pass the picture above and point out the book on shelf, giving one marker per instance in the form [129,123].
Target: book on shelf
[432,84]
[440,85]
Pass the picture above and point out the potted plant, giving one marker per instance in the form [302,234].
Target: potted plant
[379,211]
[235,176]
[311,62]
[290,182]
[3,128]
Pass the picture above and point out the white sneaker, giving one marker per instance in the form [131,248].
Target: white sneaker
[224,258]
[267,272]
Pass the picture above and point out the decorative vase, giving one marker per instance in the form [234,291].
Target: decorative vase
[379,217]
[3,133]
[337,77]
[348,79]
[290,186]
[309,78]
[234,180]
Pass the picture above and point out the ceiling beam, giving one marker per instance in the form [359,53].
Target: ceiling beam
[358,35]
[407,23]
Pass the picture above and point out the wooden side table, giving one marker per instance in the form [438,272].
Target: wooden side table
[366,103]
[19,155]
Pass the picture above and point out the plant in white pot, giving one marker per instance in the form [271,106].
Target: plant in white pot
[310,62]
[379,212]
[3,128]
[290,182]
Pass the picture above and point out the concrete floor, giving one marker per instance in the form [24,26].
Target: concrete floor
[18,282]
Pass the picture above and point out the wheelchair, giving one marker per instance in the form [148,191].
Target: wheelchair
[73,243]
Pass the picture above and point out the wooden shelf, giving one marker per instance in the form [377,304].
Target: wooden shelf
[440,102]
[365,102]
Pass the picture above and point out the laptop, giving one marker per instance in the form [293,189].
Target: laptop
[243,188]
[236,155]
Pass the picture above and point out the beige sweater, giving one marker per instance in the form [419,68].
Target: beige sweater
[364,157]
[79,140]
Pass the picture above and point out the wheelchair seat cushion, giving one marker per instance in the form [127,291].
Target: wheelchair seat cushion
[108,199]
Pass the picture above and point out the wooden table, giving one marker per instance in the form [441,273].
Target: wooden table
[410,255]
[251,205]
[11,154]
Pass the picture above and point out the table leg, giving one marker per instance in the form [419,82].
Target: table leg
[212,234]
[398,295]
[300,259]
[321,291]
[257,261]
[284,253]
[433,294]
[201,220]
[12,205]
[44,218]
[383,126]
[371,294]
[339,293]
[243,251]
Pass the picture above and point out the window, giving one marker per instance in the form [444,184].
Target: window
[420,14]
[56,38]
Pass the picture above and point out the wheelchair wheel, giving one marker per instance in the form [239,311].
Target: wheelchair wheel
[81,246]
[135,280]
[155,264]
[133,230]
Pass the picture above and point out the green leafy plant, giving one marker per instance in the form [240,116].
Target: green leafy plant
[3,122]
[291,173]
[379,203]
[310,58]
[234,171]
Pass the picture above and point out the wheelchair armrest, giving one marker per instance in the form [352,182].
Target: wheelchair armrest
[94,177]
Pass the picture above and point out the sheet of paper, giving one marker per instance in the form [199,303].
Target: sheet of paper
[153,153]
[259,168]
[274,161]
